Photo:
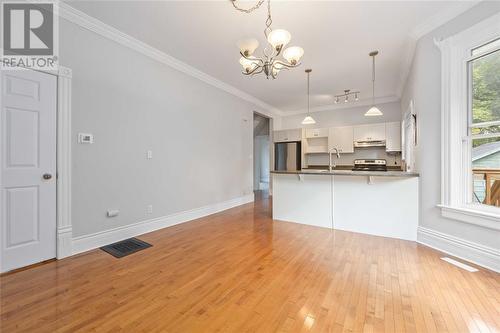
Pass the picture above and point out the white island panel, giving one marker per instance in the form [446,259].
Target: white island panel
[305,199]
[387,206]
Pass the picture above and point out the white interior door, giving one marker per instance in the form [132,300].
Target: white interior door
[28,168]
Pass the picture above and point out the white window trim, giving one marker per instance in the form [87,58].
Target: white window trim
[455,155]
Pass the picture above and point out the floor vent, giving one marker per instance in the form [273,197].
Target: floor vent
[125,247]
[460,264]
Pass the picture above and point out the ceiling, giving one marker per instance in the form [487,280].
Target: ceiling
[336,36]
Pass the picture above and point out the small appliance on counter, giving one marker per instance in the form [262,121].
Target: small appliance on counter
[370,165]
[287,156]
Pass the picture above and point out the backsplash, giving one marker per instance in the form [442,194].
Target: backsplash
[359,153]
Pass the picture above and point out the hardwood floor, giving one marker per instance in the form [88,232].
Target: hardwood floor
[238,271]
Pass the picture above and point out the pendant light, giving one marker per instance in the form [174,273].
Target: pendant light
[373,111]
[308,120]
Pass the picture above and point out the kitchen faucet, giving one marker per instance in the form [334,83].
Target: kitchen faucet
[331,164]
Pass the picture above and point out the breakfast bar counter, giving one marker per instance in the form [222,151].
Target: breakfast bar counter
[383,203]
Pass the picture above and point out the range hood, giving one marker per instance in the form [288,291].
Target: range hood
[366,144]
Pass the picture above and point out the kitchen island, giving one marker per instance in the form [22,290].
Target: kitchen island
[382,203]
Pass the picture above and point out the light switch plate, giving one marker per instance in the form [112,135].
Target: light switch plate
[85,138]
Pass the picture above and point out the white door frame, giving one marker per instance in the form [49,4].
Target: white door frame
[63,168]
[64,140]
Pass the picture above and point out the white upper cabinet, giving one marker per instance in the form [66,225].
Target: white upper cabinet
[316,133]
[341,138]
[369,132]
[288,135]
[393,136]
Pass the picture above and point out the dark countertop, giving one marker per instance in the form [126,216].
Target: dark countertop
[389,173]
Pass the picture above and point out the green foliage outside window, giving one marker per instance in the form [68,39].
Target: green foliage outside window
[486,95]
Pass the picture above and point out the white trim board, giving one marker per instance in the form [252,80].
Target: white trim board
[475,253]
[89,242]
[92,24]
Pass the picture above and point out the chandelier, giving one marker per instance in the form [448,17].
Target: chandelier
[270,63]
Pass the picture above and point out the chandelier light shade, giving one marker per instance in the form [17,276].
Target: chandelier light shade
[373,111]
[293,54]
[279,38]
[275,57]
[248,46]
[249,64]
[308,120]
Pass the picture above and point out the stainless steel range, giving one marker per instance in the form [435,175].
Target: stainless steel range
[370,165]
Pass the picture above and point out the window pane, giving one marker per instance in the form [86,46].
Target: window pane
[487,47]
[486,88]
[485,130]
[486,171]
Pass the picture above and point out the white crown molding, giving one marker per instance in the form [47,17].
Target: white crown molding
[476,253]
[98,239]
[423,29]
[341,106]
[92,24]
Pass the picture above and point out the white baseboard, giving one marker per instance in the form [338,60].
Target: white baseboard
[98,239]
[475,253]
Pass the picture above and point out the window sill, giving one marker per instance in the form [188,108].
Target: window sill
[470,215]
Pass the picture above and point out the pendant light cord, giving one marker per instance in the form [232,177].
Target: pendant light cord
[373,80]
[308,112]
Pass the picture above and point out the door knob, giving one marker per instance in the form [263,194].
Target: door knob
[47,176]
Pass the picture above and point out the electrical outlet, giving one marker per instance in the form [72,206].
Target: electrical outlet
[150,209]
[112,213]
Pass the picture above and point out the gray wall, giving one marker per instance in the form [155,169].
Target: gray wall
[424,87]
[201,137]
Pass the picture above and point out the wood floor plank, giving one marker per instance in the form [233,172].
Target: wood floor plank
[240,271]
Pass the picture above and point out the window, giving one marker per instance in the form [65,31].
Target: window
[484,123]
[470,173]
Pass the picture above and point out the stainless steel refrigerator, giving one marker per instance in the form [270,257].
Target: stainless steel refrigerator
[287,156]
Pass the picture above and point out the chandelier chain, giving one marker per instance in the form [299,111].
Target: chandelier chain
[249,10]
[269,20]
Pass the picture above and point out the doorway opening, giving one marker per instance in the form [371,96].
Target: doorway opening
[261,152]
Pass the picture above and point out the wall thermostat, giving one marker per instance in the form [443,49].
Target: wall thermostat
[85,138]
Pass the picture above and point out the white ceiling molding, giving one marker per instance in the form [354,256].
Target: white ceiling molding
[423,29]
[87,22]
[350,105]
